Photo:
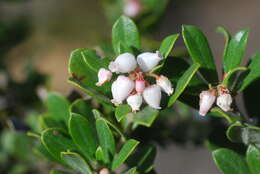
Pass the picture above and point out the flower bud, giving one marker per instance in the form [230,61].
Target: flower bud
[224,101]
[104,171]
[135,101]
[121,88]
[207,99]
[103,76]
[152,95]
[147,61]
[140,86]
[165,84]
[124,63]
[132,8]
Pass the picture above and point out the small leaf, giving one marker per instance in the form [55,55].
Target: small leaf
[227,37]
[167,45]
[183,82]
[230,162]
[235,50]
[125,151]
[200,52]
[131,171]
[122,111]
[83,135]
[58,106]
[76,162]
[56,142]
[254,71]
[253,159]
[146,116]
[106,139]
[125,31]
[99,155]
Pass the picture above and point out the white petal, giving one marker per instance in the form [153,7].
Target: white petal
[121,88]
[224,101]
[207,99]
[147,61]
[152,95]
[165,84]
[124,63]
[103,76]
[135,101]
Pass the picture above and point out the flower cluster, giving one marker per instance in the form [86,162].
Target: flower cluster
[131,84]
[208,98]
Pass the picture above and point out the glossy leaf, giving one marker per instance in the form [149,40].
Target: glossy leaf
[125,31]
[146,116]
[183,82]
[253,159]
[167,45]
[254,71]
[235,50]
[83,135]
[229,162]
[122,111]
[58,106]
[56,142]
[227,37]
[106,139]
[200,52]
[125,151]
[76,162]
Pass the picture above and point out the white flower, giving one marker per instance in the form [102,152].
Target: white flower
[121,88]
[165,84]
[132,8]
[152,95]
[139,86]
[124,63]
[135,101]
[103,76]
[104,171]
[147,61]
[207,99]
[224,101]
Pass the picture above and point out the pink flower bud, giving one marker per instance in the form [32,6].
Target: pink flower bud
[147,61]
[135,101]
[224,101]
[124,63]
[121,88]
[140,86]
[103,76]
[152,96]
[207,99]
[104,171]
[165,84]
[132,8]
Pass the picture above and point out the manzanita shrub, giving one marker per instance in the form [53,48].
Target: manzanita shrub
[133,87]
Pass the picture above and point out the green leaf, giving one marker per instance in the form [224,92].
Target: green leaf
[146,116]
[76,162]
[83,135]
[99,155]
[143,159]
[253,159]
[220,113]
[55,141]
[106,139]
[227,37]
[229,162]
[122,111]
[254,71]
[228,80]
[49,121]
[131,171]
[183,83]
[58,106]
[200,52]
[125,31]
[41,150]
[125,151]
[167,45]
[235,50]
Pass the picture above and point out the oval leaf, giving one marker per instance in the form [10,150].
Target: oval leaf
[122,111]
[167,45]
[125,151]
[146,116]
